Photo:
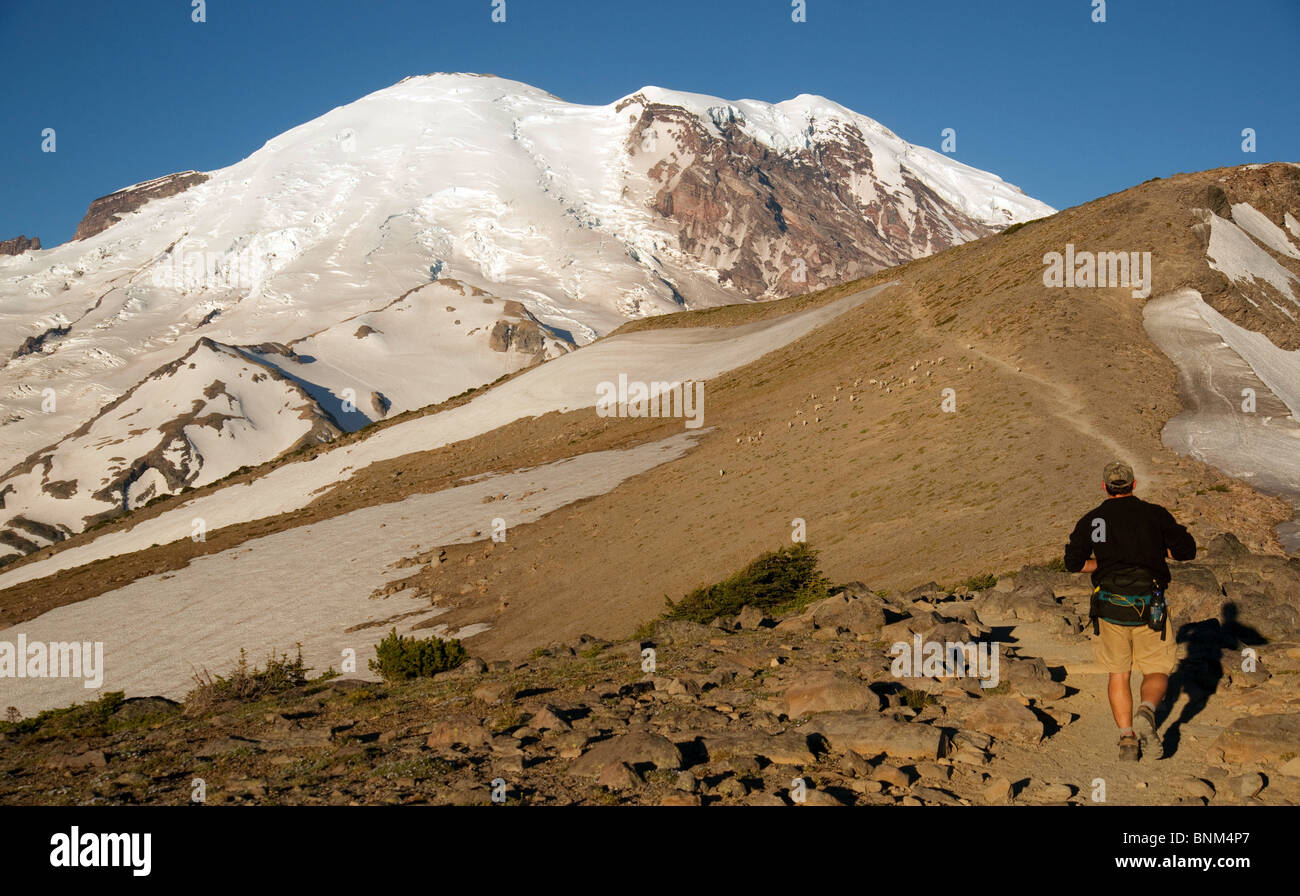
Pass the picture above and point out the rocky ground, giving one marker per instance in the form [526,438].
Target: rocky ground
[752,710]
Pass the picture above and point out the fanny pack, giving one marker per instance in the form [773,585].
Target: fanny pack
[1128,609]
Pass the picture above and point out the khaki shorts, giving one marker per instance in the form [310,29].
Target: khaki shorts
[1123,648]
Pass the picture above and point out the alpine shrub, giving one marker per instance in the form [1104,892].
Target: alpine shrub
[398,658]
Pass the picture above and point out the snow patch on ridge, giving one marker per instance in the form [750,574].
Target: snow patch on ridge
[202,615]
[1234,254]
[1257,224]
[1216,359]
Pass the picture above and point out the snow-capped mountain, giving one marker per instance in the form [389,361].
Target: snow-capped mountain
[422,240]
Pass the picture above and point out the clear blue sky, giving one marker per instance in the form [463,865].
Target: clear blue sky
[1067,109]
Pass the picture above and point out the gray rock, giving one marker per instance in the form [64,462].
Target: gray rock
[1030,677]
[618,776]
[457,728]
[892,775]
[820,798]
[1258,738]
[859,615]
[1246,786]
[1005,718]
[1225,547]
[1038,792]
[751,618]
[933,796]
[731,789]
[1196,787]
[677,631]
[788,748]
[494,692]
[635,748]
[997,791]
[869,734]
[569,744]
[826,691]
[548,718]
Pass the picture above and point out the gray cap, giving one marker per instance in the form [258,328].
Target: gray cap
[1117,474]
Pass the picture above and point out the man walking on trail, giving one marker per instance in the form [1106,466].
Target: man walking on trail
[1124,542]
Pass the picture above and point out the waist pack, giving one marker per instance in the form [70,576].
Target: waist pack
[1128,609]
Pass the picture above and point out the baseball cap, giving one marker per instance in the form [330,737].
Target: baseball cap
[1118,474]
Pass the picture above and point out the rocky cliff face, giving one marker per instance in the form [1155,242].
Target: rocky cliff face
[779,222]
[19,244]
[106,211]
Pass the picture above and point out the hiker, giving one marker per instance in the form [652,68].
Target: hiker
[1124,543]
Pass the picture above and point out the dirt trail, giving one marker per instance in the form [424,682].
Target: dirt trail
[1064,399]
[1086,749]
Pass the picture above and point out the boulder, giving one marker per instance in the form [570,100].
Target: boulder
[19,244]
[1259,738]
[751,618]
[457,728]
[1028,603]
[678,631]
[1224,547]
[1246,786]
[862,616]
[1005,718]
[635,748]
[1030,677]
[869,734]
[548,718]
[826,691]
[617,776]
[787,748]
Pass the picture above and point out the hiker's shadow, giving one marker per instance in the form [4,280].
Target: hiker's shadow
[1200,671]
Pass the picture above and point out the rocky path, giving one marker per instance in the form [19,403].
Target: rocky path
[811,708]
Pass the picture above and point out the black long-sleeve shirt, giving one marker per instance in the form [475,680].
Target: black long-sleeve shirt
[1129,537]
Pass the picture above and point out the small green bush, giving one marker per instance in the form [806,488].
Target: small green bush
[980,583]
[917,699]
[778,581]
[398,658]
[244,683]
[84,719]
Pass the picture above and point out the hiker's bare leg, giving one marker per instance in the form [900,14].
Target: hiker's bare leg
[1121,699]
[1153,688]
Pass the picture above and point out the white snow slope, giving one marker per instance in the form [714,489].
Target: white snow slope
[567,383]
[1216,361]
[310,583]
[160,630]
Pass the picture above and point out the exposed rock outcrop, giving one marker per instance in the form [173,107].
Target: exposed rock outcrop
[19,244]
[106,211]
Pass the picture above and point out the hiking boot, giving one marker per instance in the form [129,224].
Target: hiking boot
[1128,748]
[1144,725]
